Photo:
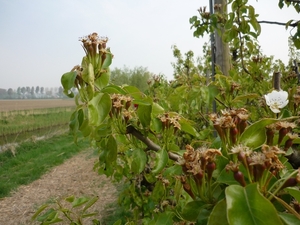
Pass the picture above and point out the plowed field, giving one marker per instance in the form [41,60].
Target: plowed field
[27,104]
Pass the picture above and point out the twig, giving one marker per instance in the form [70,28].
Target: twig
[150,144]
[279,23]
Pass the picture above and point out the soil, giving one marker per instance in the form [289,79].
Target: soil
[26,104]
[74,177]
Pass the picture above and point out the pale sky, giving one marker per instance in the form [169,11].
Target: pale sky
[39,38]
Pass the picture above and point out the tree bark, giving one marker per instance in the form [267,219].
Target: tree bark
[222,49]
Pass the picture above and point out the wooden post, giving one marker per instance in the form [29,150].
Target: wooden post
[222,49]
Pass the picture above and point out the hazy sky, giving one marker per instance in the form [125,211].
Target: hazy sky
[39,39]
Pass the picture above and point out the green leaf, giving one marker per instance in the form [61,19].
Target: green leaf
[90,203]
[88,74]
[85,128]
[160,161]
[173,170]
[70,198]
[192,210]
[108,60]
[246,205]
[139,159]
[226,177]
[118,222]
[99,108]
[295,192]
[89,215]
[218,215]
[144,114]
[289,219]
[212,93]
[74,124]
[102,81]
[245,97]
[157,109]
[158,191]
[187,127]
[41,209]
[165,218]
[131,89]
[113,89]
[229,22]
[134,92]
[112,149]
[47,216]
[67,81]
[255,134]
[79,201]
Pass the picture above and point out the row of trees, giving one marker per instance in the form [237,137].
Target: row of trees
[31,93]
[138,76]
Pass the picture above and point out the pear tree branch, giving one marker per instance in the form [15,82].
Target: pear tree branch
[150,144]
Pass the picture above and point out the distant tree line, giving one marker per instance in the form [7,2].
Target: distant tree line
[31,93]
[138,77]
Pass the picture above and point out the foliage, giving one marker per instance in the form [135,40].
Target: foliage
[137,77]
[75,212]
[184,161]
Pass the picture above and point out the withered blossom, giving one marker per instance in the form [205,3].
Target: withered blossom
[285,124]
[272,160]
[271,151]
[168,120]
[258,158]
[241,149]
[209,154]
[234,167]
[292,136]
[92,43]
[117,104]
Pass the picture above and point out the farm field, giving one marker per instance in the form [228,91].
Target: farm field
[18,117]
[26,104]
[67,171]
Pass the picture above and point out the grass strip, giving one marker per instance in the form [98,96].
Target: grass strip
[35,159]
[14,122]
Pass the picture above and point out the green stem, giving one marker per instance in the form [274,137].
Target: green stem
[279,186]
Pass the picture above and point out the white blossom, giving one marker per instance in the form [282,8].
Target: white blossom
[276,100]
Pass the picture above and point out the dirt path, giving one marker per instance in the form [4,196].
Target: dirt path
[74,177]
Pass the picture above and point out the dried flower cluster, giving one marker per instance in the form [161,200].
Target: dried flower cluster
[170,121]
[121,106]
[199,165]
[230,124]
[93,44]
[284,129]
[260,166]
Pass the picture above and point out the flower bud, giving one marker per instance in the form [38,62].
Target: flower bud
[239,177]
[233,135]
[243,124]
[282,132]
[270,136]
[210,167]
[296,206]
[288,144]
[291,182]
[188,190]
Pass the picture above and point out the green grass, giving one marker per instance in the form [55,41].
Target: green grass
[35,159]
[14,122]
